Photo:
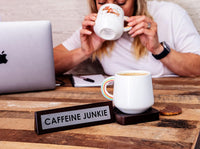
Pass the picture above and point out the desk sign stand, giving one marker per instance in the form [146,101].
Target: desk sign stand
[73,117]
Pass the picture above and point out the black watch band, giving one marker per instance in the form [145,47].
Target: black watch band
[164,53]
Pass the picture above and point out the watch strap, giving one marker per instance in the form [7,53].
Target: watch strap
[164,53]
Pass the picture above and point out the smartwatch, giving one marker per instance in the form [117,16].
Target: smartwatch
[164,53]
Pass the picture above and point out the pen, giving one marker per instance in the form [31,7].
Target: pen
[87,79]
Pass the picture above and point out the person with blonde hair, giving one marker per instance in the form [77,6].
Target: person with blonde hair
[163,40]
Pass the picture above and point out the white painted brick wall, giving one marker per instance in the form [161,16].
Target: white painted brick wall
[66,15]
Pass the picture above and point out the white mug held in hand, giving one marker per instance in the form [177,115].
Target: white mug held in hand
[133,91]
[109,24]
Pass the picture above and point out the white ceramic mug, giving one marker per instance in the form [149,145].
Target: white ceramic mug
[109,24]
[133,91]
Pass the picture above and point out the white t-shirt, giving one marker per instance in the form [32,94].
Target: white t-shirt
[174,27]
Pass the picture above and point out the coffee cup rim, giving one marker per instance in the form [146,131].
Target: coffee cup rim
[133,71]
[109,4]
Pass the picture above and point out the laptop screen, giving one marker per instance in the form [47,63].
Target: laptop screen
[26,56]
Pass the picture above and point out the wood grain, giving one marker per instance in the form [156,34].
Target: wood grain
[17,110]
[23,145]
[180,131]
[151,132]
[88,140]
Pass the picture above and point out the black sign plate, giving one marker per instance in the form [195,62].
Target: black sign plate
[73,117]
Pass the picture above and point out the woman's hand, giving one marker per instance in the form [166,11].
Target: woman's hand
[90,42]
[146,29]
[183,64]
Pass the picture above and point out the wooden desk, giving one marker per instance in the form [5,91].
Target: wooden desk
[179,132]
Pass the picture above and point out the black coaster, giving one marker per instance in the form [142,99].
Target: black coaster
[125,119]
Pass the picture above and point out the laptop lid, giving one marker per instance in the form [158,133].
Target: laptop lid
[26,56]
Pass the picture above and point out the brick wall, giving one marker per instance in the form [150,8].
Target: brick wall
[66,15]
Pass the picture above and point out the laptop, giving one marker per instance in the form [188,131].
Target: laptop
[26,57]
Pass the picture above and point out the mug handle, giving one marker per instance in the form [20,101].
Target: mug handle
[104,88]
[127,28]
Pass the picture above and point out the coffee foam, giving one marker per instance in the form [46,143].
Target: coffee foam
[133,74]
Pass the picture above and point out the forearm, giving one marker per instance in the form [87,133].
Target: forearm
[183,64]
[65,60]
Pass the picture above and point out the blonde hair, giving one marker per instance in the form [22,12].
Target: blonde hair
[140,8]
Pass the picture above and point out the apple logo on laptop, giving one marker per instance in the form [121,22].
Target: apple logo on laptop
[3,58]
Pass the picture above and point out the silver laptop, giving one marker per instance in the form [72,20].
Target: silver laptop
[26,56]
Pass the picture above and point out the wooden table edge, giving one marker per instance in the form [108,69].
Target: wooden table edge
[196,144]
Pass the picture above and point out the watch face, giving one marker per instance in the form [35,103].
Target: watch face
[166,46]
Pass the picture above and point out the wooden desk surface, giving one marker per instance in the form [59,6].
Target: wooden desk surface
[179,132]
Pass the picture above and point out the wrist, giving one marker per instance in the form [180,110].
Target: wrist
[85,53]
[158,50]
[166,50]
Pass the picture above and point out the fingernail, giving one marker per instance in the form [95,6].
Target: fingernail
[89,32]
[126,18]
[130,33]
[133,36]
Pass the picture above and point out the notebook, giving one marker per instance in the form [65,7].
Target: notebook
[26,56]
[87,80]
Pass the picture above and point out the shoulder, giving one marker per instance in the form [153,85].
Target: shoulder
[163,8]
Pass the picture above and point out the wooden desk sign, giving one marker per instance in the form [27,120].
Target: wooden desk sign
[73,117]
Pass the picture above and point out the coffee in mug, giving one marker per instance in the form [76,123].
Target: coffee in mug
[132,74]
[133,91]
[109,24]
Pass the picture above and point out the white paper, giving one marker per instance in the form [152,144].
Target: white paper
[80,82]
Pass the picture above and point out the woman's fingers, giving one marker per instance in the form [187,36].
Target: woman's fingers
[142,20]
[141,25]
[91,17]
[141,31]
[141,28]
[85,32]
[89,21]
[137,27]
[86,24]
[134,20]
